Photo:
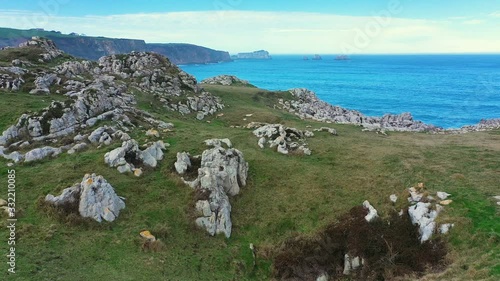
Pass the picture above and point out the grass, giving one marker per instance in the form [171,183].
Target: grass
[285,196]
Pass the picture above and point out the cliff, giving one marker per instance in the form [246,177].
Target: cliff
[188,53]
[92,48]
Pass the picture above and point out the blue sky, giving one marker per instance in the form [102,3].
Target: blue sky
[314,26]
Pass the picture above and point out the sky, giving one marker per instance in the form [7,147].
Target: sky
[281,27]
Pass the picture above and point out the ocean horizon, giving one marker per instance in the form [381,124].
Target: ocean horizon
[446,90]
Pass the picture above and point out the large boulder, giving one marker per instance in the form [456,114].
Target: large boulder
[95,197]
[223,173]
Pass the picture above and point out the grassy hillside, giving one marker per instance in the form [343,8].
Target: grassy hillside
[286,195]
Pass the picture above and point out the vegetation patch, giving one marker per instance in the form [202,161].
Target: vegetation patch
[388,248]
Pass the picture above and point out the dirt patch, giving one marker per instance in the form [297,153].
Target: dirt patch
[389,248]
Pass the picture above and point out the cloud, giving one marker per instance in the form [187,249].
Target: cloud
[278,32]
[473,22]
[495,14]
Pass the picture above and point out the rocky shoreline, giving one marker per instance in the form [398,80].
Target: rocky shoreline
[307,105]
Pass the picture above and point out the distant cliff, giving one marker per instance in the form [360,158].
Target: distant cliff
[261,55]
[92,48]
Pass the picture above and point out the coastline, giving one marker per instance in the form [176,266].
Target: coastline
[308,106]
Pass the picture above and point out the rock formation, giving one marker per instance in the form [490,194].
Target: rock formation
[95,197]
[92,48]
[97,92]
[283,139]
[225,80]
[425,210]
[129,158]
[222,173]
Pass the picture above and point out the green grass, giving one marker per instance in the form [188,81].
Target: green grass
[285,195]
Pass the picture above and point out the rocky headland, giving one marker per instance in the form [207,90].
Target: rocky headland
[93,48]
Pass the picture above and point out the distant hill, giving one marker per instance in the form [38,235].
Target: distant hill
[92,48]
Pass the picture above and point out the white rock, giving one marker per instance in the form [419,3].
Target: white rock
[445,228]
[127,168]
[41,153]
[323,277]
[394,198]
[183,163]
[218,142]
[442,195]
[262,142]
[422,215]
[203,207]
[372,213]
[351,264]
[98,199]
[68,196]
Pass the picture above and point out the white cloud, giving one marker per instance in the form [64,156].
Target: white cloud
[473,22]
[495,14]
[278,32]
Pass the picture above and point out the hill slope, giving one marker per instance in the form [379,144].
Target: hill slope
[291,196]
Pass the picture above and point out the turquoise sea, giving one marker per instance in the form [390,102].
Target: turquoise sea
[445,90]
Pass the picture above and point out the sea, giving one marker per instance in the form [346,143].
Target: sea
[449,91]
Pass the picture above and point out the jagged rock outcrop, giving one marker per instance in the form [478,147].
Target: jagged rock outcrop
[307,106]
[129,158]
[284,139]
[155,74]
[50,50]
[95,197]
[424,211]
[100,91]
[92,48]
[11,78]
[225,80]
[41,153]
[223,172]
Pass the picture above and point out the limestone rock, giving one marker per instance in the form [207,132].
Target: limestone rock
[445,228]
[225,80]
[422,215]
[442,195]
[284,139]
[42,84]
[95,197]
[372,213]
[326,129]
[41,153]
[125,158]
[223,172]
[117,156]
[351,264]
[183,162]
[77,148]
[153,133]
[218,142]
[98,199]
[306,105]
[69,196]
